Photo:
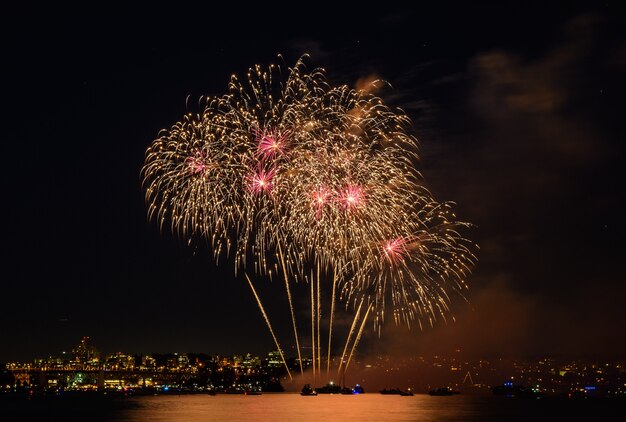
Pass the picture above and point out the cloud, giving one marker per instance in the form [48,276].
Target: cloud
[315,49]
[498,319]
[517,157]
[536,99]
[524,140]
[370,84]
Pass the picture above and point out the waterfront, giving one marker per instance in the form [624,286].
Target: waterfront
[289,407]
[84,370]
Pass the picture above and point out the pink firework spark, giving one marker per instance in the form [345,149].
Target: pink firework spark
[261,180]
[272,143]
[199,163]
[319,198]
[352,197]
[395,249]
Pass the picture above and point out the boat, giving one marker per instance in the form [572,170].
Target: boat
[396,391]
[443,391]
[358,389]
[508,389]
[307,390]
[389,391]
[253,393]
[330,388]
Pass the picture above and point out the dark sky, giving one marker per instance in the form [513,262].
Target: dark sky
[519,109]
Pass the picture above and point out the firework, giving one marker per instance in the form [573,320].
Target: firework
[189,174]
[299,177]
[416,271]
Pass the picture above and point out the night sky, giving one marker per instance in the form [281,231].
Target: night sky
[519,109]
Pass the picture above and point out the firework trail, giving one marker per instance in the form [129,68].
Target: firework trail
[330,329]
[269,326]
[345,349]
[313,313]
[319,317]
[358,337]
[293,316]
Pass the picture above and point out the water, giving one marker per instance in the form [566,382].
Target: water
[293,407]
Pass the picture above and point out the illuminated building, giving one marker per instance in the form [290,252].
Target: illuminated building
[85,351]
[274,360]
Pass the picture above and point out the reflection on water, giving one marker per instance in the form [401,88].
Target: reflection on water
[293,407]
[287,407]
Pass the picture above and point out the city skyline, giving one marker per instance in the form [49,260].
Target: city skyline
[523,130]
[84,369]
